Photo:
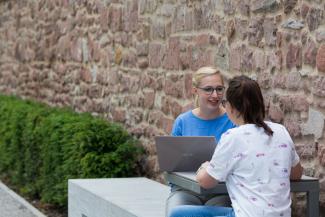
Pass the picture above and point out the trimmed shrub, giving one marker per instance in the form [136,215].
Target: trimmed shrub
[42,147]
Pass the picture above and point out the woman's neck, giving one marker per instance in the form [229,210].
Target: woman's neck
[208,115]
[240,121]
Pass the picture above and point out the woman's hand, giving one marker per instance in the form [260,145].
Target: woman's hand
[203,166]
[296,172]
[203,178]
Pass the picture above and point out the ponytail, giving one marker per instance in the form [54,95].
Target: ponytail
[266,128]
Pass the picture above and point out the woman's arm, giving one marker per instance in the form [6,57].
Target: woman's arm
[203,178]
[296,172]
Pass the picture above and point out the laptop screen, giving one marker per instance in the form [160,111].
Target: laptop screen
[183,153]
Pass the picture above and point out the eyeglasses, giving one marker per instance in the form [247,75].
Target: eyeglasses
[209,90]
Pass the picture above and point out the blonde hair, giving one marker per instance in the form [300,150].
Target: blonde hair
[202,73]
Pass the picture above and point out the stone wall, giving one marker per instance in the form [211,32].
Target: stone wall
[131,60]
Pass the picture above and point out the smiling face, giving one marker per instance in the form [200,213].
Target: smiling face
[209,101]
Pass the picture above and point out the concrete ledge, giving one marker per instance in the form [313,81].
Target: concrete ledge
[13,205]
[116,197]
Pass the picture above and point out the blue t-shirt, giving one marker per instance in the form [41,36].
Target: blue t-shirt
[187,124]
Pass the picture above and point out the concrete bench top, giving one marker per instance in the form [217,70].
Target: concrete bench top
[117,197]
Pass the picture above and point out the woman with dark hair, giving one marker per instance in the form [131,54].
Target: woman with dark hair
[257,159]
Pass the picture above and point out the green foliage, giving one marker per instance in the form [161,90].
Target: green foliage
[42,147]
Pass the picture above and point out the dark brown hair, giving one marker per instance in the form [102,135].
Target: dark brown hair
[244,94]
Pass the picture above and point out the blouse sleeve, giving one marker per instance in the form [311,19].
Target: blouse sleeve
[294,156]
[223,160]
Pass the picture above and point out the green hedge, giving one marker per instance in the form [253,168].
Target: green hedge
[42,147]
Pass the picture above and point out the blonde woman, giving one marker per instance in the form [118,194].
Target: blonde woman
[209,118]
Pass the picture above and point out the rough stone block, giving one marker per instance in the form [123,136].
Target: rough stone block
[275,113]
[115,18]
[270,30]
[156,54]
[320,35]
[314,125]
[320,58]
[172,60]
[263,6]
[294,56]
[130,16]
[319,86]
[310,53]
[314,18]
[256,32]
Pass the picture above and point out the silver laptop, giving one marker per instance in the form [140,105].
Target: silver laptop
[184,153]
